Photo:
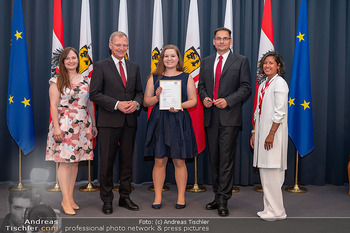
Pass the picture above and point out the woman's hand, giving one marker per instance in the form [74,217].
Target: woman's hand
[269,141]
[158,91]
[58,135]
[94,131]
[252,140]
[172,109]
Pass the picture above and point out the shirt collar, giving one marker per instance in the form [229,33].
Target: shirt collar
[224,56]
[116,61]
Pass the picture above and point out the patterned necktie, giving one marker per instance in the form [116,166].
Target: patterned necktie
[217,78]
[122,74]
[262,93]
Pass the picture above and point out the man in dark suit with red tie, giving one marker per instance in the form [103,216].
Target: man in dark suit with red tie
[224,82]
[117,91]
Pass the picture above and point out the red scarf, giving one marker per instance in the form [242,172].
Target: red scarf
[263,91]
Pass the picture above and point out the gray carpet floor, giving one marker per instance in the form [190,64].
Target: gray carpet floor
[318,201]
[322,209]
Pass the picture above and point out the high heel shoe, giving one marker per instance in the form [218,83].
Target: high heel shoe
[180,206]
[68,212]
[157,206]
[75,206]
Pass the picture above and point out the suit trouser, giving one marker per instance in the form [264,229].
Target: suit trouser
[272,180]
[108,143]
[222,141]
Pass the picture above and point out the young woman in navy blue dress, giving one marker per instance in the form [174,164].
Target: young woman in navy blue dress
[169,132]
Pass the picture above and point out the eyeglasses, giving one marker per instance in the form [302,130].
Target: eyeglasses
[120,45]
[224,39]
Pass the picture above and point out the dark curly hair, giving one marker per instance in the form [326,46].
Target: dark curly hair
[278,58]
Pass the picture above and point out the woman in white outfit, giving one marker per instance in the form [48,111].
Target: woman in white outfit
[270,136]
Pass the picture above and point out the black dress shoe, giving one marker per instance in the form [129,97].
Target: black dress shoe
[212,205]
[107,208]
[222,210]
[128,203]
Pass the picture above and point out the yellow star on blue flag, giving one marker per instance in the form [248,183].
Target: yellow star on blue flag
[11,100]
[18,35]
[291,101]
[300,124]
[300,36]
[26,102]
[19,116]
[305,105]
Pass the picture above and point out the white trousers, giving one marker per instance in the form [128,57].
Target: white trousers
[272,180]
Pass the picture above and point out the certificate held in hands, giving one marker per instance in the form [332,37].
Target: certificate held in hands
[171,94]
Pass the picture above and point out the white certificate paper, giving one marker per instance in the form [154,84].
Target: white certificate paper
[171,94]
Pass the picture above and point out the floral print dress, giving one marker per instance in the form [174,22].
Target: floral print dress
[75,122]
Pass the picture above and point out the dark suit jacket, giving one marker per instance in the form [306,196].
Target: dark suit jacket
[106,88]
[234,87]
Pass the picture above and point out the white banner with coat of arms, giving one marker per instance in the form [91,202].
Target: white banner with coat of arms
[85,45]
[192,64]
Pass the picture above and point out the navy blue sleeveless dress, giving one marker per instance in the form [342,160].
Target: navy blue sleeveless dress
[171,134]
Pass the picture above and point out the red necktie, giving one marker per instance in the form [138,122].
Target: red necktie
[217,78]
[122,74]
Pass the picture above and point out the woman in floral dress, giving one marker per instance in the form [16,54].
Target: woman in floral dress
[73,124]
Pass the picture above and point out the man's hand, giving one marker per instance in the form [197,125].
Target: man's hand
[132,107]
[127,107]
[207,102]
[220,103]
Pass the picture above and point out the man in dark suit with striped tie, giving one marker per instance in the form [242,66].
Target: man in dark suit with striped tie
[117,91]
[224,82]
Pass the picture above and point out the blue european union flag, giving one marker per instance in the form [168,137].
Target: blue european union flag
[300,124]
[19,103]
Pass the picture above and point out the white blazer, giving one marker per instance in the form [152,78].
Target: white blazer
[274,109]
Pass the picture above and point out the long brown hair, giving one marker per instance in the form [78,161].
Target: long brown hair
[161,67]
[63,81]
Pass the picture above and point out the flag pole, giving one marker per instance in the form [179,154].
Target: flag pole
[56,187]
[89,187]
[235,189]
[116,187]
[266,43]
[258,188]
[349,173]
[19,187]
[195,188]
[164,189]
[296,188]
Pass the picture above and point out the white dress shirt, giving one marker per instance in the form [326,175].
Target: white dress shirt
[224,59]
[116,62]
